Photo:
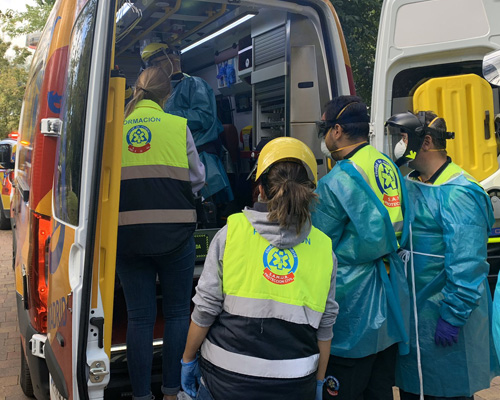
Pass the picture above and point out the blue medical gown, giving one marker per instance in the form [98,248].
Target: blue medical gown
[192,98]
[496,318]
[451,220]
[373,307]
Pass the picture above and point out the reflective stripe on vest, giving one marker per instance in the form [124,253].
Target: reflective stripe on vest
[381,175]
[452,171]
[155,165]
[154,171]
[156,217]
[270,293]
[253,366]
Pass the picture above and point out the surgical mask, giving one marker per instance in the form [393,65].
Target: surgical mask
[399,149]
[325,150]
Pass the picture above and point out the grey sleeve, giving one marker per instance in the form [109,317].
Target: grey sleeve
[209,299]
[196,167]
[325,329]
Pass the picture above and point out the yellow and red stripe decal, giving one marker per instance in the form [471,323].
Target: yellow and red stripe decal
[345,53]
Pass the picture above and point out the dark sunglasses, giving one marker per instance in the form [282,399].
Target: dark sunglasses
[323,127]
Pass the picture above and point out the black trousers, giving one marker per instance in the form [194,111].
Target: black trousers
[367,378]
[410,396]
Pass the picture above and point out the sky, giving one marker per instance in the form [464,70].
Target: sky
[18,5]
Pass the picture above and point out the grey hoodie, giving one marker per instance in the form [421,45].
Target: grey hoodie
[209,298]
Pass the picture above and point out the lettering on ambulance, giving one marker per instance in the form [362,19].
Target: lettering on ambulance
[387,182]
[54,101]
[139,139]
[280,265]
[58,313]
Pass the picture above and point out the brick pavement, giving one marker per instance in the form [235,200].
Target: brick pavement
[10,347]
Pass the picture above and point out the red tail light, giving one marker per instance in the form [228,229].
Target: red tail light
[38,282]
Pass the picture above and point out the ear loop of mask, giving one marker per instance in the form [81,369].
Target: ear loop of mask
[171,64]
[351,145]
[345,147]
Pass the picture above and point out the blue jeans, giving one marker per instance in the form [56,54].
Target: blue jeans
[138,279]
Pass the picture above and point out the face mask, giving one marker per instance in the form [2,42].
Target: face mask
[399,149]
[325,150]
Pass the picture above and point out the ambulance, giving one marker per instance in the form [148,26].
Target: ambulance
[8,151]
[429,56]
[273,64]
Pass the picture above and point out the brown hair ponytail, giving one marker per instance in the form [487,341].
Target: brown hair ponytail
[153,84]
[290,194]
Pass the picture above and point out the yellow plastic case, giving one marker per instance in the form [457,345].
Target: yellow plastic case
[466,104]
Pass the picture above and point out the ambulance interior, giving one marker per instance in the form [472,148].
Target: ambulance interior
[269,73]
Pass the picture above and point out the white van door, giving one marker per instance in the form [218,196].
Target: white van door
[428,57]
[421,40]
[74,350]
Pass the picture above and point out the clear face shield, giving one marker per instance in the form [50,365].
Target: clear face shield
[398,144]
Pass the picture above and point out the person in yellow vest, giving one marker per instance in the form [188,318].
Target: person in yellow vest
[451,353]
[160,172]
[362,208]
[265,303]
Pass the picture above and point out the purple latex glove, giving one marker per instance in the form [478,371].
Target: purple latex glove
[446,334]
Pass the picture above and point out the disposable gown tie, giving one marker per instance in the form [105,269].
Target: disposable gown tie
[449,279]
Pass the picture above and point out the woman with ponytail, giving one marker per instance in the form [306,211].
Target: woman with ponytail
[161,171]
[265,303]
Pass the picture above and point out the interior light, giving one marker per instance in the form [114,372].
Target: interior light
[226,28]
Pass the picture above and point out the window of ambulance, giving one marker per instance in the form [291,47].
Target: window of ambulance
[73,113]
[29,122]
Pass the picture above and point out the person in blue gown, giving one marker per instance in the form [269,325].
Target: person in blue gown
[451,353]
[362,208]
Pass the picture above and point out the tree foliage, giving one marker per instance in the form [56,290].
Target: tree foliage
[360,21]
[17,23]
[13,75]
[14,68]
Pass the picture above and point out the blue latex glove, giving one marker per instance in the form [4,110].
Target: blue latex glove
[190,376]
[446,334]
[319,389]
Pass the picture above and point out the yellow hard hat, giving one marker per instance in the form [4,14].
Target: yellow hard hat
[153,49]
[287,149]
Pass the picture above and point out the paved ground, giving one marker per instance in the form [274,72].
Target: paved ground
[10,348]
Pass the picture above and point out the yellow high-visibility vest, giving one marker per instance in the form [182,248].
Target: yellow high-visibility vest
[382,176]
[253,268]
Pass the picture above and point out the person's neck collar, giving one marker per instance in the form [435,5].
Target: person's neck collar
[432,165]
[178,76]
[355,149]
[348,149]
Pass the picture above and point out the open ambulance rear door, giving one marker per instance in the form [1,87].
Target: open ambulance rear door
[74,349]
[429,58]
